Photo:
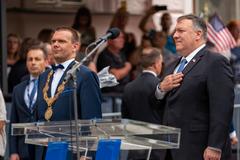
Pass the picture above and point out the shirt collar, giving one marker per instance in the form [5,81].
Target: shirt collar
[32,78]
[148,71]
[191,55]
[66,63]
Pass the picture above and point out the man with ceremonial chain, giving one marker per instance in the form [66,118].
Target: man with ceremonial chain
[55,95]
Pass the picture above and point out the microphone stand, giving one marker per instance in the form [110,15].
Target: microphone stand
[72,75]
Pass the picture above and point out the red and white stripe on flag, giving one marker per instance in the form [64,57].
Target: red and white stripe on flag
[223,40]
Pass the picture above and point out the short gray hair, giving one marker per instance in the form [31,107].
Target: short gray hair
[198,23]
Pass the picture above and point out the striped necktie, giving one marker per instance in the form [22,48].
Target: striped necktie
[32,94]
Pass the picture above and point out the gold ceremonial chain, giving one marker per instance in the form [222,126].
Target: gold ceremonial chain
[49,112]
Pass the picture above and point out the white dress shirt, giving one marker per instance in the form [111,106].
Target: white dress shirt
[28,91]
[160,94]
[190,56]
[58,75]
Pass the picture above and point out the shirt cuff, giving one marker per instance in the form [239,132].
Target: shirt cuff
[159,94]
[233,134]
[215,149]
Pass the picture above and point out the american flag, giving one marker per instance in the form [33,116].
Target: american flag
[219,35]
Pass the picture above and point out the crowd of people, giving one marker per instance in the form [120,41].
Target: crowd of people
[172,78]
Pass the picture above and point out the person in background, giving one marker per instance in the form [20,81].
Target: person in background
[19,69]
[159,40]
[24,102]
[114,57]
[50,58]
[192,92]
[135,57]
[143,24]
[120,20]
[45,35]
[13,47]
[137,94]
[165,23]
[3,118]
[234,28]
[137,103]
[83,22]
[87,39]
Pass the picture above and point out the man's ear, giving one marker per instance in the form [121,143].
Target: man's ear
[76,46]
[199,34]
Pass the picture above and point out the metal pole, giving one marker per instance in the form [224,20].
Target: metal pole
[74,77]
[3,50]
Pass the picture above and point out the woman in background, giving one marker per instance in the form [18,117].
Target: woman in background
[83,22]
[13,46]
[120,20]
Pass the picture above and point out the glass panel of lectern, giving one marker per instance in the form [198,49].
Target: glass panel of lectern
[134,135]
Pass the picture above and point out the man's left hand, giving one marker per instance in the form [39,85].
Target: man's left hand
[211,154]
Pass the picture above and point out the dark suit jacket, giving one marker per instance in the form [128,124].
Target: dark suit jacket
[138,104]
[137,100]
[20,113]
[88,97]
[202,106]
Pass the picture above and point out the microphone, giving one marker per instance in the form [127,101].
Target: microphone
[111,34]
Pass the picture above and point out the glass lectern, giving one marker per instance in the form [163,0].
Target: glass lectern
[134,135]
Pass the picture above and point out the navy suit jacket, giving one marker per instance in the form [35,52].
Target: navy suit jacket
[20,113]
[201,106]
[88,97]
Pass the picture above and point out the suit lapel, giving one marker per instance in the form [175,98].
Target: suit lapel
[22,94]
[190,65]
[64,74]
[194,61]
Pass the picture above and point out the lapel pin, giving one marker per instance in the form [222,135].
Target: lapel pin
[194,60]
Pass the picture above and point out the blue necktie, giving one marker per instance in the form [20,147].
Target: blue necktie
[55,67]
[182,64]
[33,92]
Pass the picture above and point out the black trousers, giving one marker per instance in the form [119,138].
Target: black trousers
[168,155]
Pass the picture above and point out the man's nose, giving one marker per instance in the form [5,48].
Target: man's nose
[33,61]
[175,35]
[55,44]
